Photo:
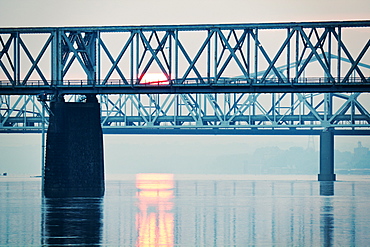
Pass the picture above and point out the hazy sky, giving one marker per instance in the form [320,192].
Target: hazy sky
[21,153]
[125,12]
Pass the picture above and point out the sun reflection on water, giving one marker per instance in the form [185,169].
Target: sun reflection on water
[155,220]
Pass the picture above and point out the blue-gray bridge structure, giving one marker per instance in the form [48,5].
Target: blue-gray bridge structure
[264,79]
[224,78]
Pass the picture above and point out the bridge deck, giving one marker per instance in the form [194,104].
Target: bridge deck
[230,85]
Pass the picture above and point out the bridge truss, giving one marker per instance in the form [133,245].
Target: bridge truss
[277,113]
[291,78]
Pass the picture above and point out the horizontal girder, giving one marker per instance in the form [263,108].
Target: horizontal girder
[208,131]
[193,27]
[190,86]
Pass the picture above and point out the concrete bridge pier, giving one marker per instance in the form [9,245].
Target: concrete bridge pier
[74,150]
[327,156]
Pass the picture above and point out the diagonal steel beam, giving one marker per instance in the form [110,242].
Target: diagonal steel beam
[355,64]
[192,64]
[154,55]
[115,64]
[277,56]
[35,62]
[232,54]
[75,52]
[264,53]
[152,58]
[188,59]
[109,55]
[314,52]
[348,54]
[5,51]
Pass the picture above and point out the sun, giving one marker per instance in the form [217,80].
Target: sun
[155,79]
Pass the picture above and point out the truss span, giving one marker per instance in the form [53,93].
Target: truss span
[278,113]
[296,78]
[224,58]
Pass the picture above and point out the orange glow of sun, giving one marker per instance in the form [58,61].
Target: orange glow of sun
[154,79]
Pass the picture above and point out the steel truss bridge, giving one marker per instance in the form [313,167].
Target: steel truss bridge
[271,78]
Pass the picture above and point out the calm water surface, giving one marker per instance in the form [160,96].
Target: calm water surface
[193,210]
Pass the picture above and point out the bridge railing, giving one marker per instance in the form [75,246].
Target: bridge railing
[191,81]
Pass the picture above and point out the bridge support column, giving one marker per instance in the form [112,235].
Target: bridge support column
[74,150]
[327,156]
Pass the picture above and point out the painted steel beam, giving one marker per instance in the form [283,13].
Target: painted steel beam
[215,75]
[182,54]
[210,131]
[196,27]
[319,87]
[298,111]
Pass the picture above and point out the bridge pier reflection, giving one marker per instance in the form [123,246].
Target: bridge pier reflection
[327,222]
[326,188]
[71,221]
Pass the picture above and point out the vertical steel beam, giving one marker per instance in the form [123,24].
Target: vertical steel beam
[56,59]
[329,54]
[98,58]
[292,106]
[17,62]
[256,44]
[353,111]
[132,55]
[339,53]
[326,106]
[92,56]
[296,56]
[137,64]
[170,72]
[253,108]
[43,144]
[248,51]
[176,55]
[274,107]
[209,59]
[288,57]
[215,57]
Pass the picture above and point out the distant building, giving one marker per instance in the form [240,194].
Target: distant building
[361,157]
[361,151]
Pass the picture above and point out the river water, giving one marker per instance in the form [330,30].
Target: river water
[191,210]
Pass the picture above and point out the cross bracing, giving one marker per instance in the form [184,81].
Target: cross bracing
[193,58]
[153,113]
[231,78]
